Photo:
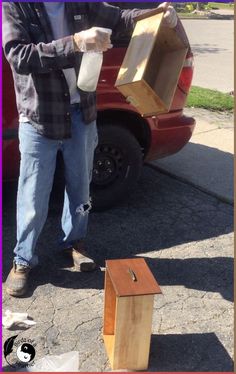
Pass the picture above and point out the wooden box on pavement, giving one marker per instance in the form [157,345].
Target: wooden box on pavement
[129,294]
[152,65]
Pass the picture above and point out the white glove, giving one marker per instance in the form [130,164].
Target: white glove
[96,39]
[170,18]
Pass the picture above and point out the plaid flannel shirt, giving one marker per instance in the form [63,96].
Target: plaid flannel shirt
[42,93]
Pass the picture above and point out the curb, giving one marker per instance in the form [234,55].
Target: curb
[211,17]
[195,18]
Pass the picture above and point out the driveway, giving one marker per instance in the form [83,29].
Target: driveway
[207,161]
[212,42]
[186,237]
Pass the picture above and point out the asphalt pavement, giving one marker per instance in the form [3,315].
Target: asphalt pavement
[186,237]
[180,219]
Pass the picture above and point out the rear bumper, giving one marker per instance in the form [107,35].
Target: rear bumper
[169,136]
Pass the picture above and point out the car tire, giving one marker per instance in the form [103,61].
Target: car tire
[118,162]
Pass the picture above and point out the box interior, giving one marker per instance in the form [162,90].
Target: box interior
[139,50]
[165,63]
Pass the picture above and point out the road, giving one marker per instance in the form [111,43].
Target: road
[185,235]
[213,46]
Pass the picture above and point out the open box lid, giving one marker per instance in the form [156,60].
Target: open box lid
[132,277]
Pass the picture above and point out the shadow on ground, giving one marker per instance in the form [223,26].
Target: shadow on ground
[210,275]
[206,48]
[161,213]
[185,352]
[203,274]
[213,168]
[188,352]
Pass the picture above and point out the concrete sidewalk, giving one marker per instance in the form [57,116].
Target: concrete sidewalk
[207,160]
[223,12]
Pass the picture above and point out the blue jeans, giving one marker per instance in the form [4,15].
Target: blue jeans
[37,167]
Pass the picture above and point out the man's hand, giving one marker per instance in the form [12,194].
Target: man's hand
[170,18]
[95,39]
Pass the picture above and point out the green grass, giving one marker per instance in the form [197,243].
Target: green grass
[221,5]
[191,15]
[210,6]
[210,99]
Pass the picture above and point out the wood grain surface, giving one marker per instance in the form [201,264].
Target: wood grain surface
[124,285]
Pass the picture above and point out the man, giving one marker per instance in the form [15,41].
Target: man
[43,44]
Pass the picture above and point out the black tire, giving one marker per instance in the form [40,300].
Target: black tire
[118,162]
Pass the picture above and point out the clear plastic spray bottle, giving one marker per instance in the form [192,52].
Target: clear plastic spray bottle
[90,68]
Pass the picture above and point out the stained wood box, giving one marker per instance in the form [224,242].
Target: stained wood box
[129,295]
[152,65]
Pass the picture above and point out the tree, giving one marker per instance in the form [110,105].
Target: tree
[201,6]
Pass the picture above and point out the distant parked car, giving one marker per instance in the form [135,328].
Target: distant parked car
[126,139]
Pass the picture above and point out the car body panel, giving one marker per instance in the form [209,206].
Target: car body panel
[164,134]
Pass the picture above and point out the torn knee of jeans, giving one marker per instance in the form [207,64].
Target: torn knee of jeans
[84,208]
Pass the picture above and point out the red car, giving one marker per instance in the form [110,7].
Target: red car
[126,140]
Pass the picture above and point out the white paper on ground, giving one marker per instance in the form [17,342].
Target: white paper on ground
[11,318]
[66,362]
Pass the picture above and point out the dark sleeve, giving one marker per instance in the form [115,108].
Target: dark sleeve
[23,55]
[119,20]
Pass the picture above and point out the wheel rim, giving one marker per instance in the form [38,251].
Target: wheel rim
[108,164]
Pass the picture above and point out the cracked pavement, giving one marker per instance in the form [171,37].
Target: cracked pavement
[186,237]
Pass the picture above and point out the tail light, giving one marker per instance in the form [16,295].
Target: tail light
[187,74]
